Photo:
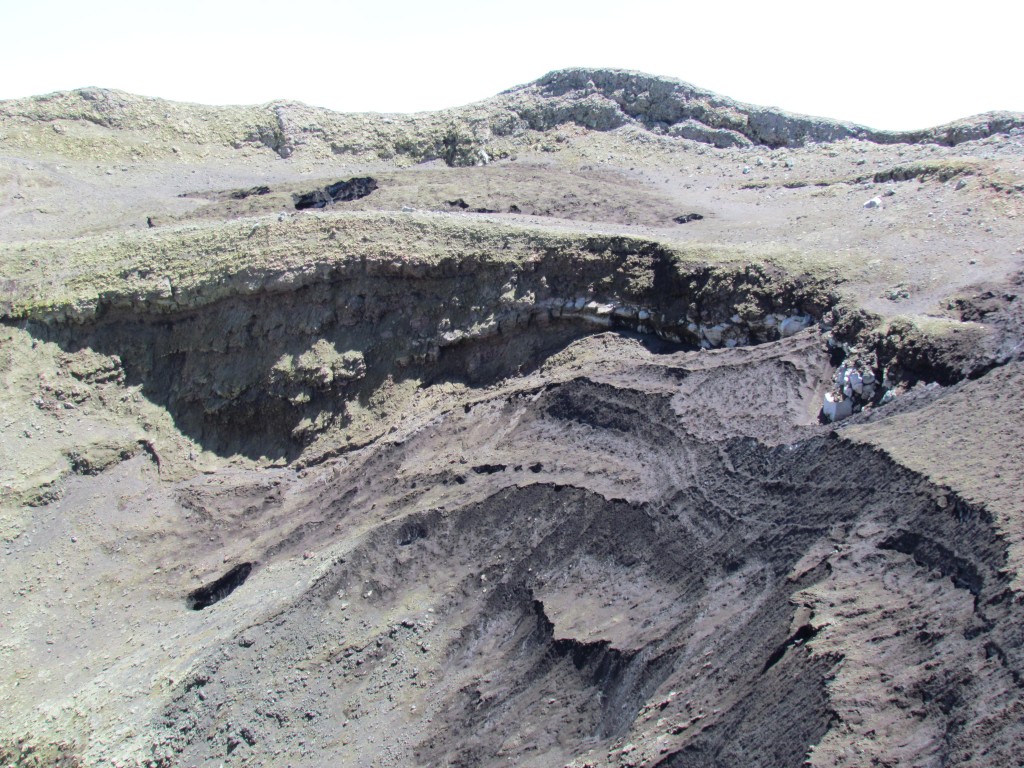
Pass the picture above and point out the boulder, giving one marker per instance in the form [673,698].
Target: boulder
[714,335]
[855,381]
[793,325]
[836,408]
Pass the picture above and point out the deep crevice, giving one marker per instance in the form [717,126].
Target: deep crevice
[802,635]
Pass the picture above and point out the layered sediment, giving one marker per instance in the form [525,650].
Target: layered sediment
[623,433]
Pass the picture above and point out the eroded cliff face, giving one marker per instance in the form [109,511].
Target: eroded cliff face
[345,483]
[266,375]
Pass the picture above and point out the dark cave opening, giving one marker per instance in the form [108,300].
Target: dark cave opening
[411,532]
[214,592]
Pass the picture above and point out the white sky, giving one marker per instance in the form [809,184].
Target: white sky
[887,63]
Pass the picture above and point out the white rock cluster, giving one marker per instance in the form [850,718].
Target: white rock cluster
[854,388]
[736,332]
[729,333]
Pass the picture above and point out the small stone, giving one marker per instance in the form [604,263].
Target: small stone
[874,202]
[960,185]
[308,555]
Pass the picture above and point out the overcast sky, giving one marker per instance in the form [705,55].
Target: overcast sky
[894,64]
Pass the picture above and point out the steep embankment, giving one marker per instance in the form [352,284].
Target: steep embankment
[280,339]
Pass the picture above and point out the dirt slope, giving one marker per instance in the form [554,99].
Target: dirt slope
[496,435]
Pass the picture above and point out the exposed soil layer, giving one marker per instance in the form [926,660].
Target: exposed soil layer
[547,621]
[518,456]
[605,560]
[265,375]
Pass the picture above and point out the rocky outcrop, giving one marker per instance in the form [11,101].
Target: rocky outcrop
[595,99]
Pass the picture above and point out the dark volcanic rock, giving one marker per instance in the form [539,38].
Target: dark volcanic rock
[339,192]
